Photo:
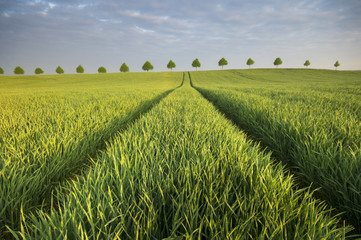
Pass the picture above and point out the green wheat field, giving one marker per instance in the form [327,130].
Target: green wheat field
[228,154]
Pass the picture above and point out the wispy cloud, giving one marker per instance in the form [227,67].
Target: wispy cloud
[143,30]
[323,29]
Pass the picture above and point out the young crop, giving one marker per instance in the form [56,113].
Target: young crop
[183,171]
[47,134]
[306,118]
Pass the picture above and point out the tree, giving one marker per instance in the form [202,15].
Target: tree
[307,63]
[102,70]
[19,70]
[171,65]
[337,64]
[1,71]
[196,63]
[147,66]
[38,71]
[124,68]
[250,62]
[277,62]
[222,62]
[59,70]
[80,69]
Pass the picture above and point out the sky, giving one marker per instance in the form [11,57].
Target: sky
[94,33]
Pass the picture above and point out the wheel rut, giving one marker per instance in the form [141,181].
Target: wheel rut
[291,169]
[87,154]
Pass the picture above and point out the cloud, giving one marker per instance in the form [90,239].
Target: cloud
[178,28]
[143,30]
[144,16]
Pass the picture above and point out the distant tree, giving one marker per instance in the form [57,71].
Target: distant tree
[307,63]
[1,71]
[19,70]
[277,62]
[250,62]
[80,69]
[337,64]
[124,68]
[59,70]
[196,63]
[38,71]
[102,70]
[222,62]
[147,66]
[171,65]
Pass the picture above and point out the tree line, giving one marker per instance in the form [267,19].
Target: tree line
[148,66]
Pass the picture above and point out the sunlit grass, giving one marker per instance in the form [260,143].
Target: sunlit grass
[182,171]
[50,125]
[311,119]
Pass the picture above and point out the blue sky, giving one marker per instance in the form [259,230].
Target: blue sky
[42,33]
